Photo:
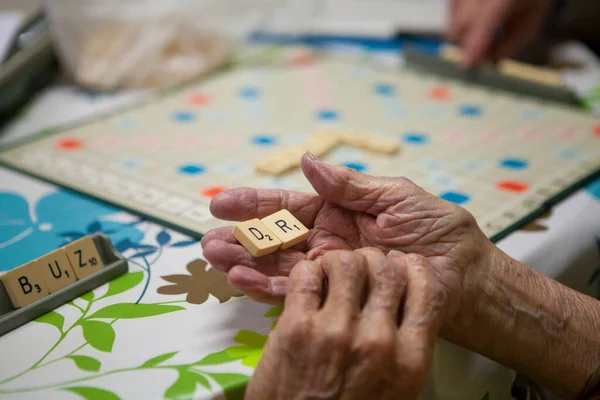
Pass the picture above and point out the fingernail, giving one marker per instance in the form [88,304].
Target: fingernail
[311,156]
[396,253]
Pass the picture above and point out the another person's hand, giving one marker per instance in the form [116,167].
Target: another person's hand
[351,210]
[495,29]
[372,337]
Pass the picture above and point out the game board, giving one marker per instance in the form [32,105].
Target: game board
[501,156]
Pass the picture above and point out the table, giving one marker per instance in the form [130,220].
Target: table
[145,336]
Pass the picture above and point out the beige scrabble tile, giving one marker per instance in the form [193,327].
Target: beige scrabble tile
[355,139]
[451,53]
[25,284]
[529,72]
[370,143]
[286,227]
[281,162]
[56,270]
[256,237]
[84,257]
[322,142]
[383,146]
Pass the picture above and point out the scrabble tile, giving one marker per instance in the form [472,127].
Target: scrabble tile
[370,143]
[84,257]
[281,162]
[322,142]
[286,227]
[529,72]
[25,284]
[56,270]
[355,139]
[256,237]
[383,146]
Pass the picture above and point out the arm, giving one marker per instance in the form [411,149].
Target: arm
[531,324]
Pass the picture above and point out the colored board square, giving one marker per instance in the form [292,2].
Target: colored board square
[183,116]
[456,197]
[470,110]
[250,93]
[129,164]
[513,186]
[129,123]
[385,89]
[302,59]
[192,169]
[439,93]
[357,166]
[212,191]
[513,163]
[264,140]
[415,138]
[199,99]
[328,115]
[569,154]
[68,144]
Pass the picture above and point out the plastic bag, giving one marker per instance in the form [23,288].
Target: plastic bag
[140,44]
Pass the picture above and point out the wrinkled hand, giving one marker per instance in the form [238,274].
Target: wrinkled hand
[346,350]
[495,29]
[350,211]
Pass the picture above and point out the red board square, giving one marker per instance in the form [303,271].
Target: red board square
[513,186]
[439,93]
[199,99]
[212,191]
[69,144]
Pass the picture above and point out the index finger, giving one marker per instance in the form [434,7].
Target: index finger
[479,39]
[242,204]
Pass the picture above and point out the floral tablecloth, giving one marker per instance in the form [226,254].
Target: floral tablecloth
[160,332]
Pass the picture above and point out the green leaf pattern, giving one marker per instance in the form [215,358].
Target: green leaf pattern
[53,318]
[86,363]
[157,360]
[124,283]
[132,310]
[91,393]
[99,335]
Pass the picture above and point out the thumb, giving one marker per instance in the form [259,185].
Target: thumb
[353,190]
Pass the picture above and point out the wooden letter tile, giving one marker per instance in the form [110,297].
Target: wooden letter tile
[256,237]
[83,256]
[25,284]
[286,227]
[56,270]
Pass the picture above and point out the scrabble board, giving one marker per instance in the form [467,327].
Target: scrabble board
[502,156]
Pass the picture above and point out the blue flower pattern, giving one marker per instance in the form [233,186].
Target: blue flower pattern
[28,231]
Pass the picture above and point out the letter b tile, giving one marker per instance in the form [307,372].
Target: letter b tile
[256,237]
[25,284]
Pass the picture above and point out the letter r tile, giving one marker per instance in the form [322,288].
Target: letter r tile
[286,227]
[256,237]
[25,284]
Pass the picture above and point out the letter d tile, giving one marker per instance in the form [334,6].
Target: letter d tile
[256,237]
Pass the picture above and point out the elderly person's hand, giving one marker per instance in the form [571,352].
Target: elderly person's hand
[371,338]
[351,210]
[495,29]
